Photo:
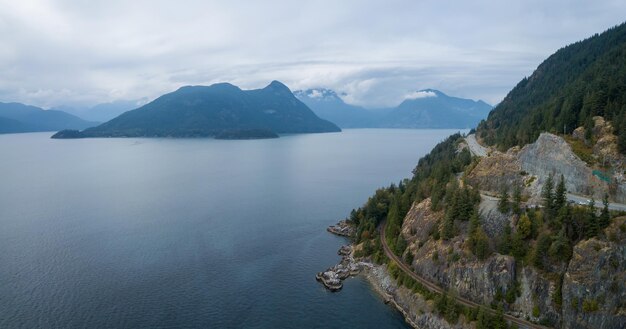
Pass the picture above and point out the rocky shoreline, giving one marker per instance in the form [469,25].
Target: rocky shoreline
[416,311]
[333,276]
[343,228]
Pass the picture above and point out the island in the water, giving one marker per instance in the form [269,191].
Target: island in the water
[221,110]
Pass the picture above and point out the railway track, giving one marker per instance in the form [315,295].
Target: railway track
[436,288]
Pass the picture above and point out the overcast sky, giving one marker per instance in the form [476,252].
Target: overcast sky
[376,52]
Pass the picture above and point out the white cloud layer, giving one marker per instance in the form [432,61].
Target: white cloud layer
[374,52]
[420,94]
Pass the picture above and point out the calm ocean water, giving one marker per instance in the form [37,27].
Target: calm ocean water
[189,233]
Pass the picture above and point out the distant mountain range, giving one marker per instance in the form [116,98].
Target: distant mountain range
[328,105]
[427,108]
[225,111]
[20,118]
[102,112]
[221,110]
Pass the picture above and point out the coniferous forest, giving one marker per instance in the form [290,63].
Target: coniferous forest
[578,82]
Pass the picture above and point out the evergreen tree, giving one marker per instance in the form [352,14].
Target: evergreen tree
[505,243]
[605,215]
[441,303]
[474,223]
[451,315]
[517,200]
[560,195]
[588,129]
[518,246]
[592,220]
[504,204]
[536,223]
[482,319]
[447,231]
[400,245]
[560,248]
[498,321]
[478,240]
[524,226]
[481,244]
[541,250]
[547,194]
[394,223]
[562,217]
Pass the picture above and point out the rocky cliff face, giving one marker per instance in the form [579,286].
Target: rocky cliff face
[496,171]
[605,147]
[493,221]
[594,286]
[420,221]
[449,264]
[536,294]
[551,155]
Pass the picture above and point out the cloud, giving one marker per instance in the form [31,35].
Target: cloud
[315,94]
[73,52]
[420,94]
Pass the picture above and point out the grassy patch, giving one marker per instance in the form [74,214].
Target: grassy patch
[582,150]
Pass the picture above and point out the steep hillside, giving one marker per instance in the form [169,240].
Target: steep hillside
[567,90]
[498,226]
[221,109]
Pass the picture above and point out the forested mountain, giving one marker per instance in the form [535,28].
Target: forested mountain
[217,110]
[428,109]
[501,229]
[17,118]
[567,90]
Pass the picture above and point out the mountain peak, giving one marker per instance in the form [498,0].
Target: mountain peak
[424,93]
[277,86]
[221,110]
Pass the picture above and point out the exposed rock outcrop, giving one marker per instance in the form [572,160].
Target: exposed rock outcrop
[493,221]
[494,172]
[448,264]
[594,286]
[332,278]
[420,220]
[343,228]
[536,291]
[551,155]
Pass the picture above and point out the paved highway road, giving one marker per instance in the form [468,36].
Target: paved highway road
[474,147]
[584,200]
